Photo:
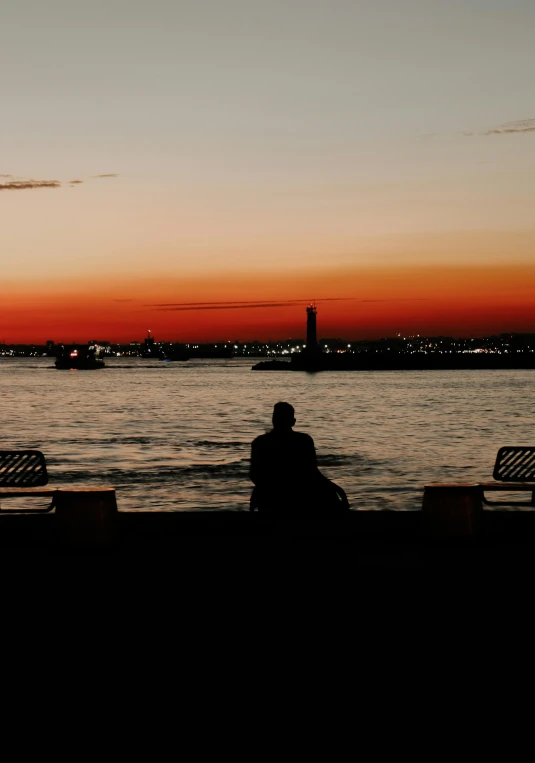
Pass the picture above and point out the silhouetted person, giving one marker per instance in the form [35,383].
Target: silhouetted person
[285,473]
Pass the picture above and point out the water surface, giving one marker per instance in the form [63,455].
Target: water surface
[176,436]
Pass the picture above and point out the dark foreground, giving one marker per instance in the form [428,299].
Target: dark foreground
[389,539]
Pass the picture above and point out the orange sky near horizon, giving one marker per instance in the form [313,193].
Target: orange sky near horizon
[353,303]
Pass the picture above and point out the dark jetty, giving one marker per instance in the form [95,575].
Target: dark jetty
[373,361]
[273,365]
[394,356]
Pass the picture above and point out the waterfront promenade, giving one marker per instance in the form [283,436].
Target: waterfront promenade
[382,539]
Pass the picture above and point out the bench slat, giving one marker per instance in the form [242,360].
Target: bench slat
[515,464]
[22,468]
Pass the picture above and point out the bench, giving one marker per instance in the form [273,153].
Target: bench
[23,474]
[83,515]
[514,471]
[457,509]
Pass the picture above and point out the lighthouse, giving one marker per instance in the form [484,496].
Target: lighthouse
[312,340]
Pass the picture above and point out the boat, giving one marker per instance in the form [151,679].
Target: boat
[80,357]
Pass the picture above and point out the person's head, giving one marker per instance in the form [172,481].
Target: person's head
[283,416]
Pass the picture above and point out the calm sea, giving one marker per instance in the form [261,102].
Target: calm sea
[176,436]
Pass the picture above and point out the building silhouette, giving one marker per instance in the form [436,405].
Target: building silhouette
[312,339]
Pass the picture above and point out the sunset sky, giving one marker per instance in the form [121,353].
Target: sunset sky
[201,168]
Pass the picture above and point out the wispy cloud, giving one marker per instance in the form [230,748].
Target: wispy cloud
[236,305]
[14,183]
[508,128]
[185,306]
[25,185]
[247,306]
[223,304]
[225,307]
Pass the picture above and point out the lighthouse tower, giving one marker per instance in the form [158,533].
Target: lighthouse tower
[312,340]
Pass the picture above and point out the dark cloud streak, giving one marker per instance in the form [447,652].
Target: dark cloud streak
[509,131]
[194,306]
[246,306]
[251,303]
[508,128]
[25,185]
[240,305]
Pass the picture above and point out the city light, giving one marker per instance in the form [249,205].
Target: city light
[413,345]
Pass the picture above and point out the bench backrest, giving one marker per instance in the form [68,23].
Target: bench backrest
[22,468]
[515,464]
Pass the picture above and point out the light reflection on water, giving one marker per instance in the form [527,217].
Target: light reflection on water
[176,436]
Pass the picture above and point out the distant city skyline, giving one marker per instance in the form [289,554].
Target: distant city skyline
[297,342]
[250,156]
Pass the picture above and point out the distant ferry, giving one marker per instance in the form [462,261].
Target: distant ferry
[76,356]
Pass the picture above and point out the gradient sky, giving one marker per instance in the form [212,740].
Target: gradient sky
[379,151]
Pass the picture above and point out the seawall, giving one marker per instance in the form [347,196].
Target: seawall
[399,362]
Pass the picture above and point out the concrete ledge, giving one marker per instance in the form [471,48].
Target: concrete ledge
[452,532]
[169,527]
[82,515]
[198,543]
[221,524]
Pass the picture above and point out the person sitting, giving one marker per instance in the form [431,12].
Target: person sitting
[285,473]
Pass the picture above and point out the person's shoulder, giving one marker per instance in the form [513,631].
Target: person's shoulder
[304,438]
[261,439]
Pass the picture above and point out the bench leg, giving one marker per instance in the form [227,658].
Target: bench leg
[507,503]
[87,517]
[452,510]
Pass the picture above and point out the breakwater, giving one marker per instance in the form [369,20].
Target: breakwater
[372,361]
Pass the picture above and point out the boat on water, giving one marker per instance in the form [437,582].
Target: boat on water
[80,357]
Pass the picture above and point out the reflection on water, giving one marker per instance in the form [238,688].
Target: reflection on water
[176,436]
